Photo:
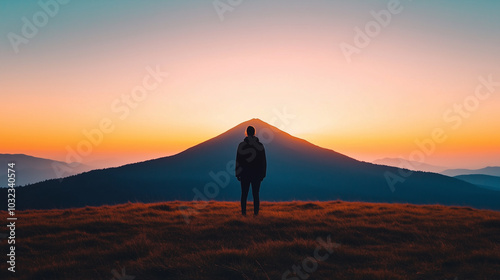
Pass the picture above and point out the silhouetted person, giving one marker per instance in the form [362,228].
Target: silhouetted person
[250,168]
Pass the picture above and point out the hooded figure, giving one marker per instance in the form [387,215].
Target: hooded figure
[250,168]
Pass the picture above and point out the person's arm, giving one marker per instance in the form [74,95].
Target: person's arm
[237,165]
[264,164]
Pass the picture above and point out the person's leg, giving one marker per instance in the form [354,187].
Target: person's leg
[245,186]
[255,193]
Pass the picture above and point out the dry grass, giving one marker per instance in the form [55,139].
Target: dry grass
[153,241]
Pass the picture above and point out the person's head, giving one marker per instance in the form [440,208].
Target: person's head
[250,131]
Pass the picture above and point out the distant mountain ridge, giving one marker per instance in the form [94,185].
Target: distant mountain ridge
[408,164]
[297,170]
[32,169]
[491,170]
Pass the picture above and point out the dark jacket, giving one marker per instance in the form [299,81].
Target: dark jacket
[251,160]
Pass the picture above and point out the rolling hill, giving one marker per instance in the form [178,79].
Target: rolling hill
[485,181]
[152,241]
[297,170]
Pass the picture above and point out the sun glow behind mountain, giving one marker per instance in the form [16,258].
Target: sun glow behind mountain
[263,60]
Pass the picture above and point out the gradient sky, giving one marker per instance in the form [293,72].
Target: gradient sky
[264,57]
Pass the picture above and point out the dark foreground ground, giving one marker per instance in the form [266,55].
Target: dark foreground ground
[320,240]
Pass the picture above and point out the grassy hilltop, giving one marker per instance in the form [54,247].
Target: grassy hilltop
[153,241]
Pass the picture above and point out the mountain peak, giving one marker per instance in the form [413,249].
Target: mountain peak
[254,122]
